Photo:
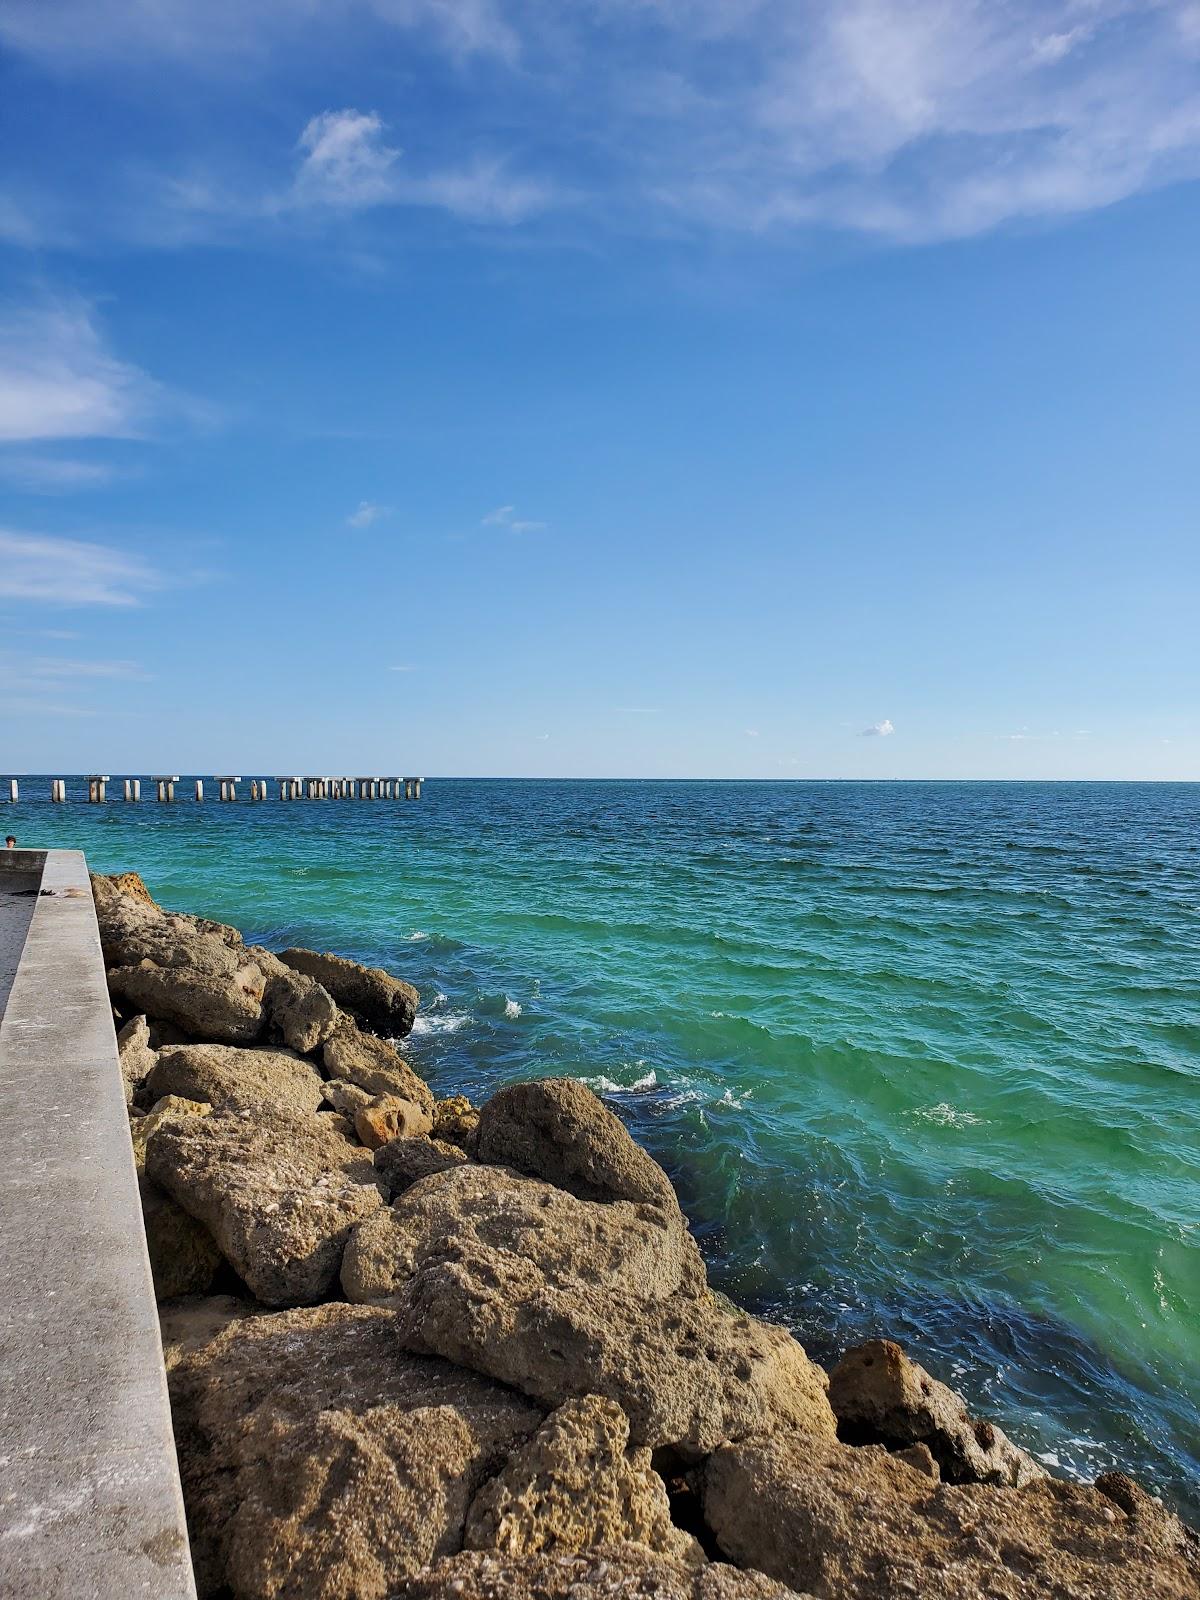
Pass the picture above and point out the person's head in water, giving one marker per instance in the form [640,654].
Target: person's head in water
[10,842]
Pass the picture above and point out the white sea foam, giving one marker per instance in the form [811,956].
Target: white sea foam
[450,1023]
[605,1085]
[512,1008]
[947,1116]
[415,936]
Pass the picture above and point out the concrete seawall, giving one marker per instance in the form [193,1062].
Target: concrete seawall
[90,1502]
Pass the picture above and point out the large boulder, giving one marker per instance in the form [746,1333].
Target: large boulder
[225,1006]
[300,1013]
[373,1064]
[219,1073]
[321,1462]
[576,1483]
[382,1003]
[604,1572]
[470,1211]
[583,1304]
[556,1129]
[183,1257]
[880,1396]
[105,884]
[859,1524]
[135,1054]
[279,1190]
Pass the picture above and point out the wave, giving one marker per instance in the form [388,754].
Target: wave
[512,1009]
[451,1022]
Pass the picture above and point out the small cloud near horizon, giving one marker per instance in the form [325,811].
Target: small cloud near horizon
[506,517]
[405,667]
[878,730]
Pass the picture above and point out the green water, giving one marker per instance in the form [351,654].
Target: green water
[923,1059]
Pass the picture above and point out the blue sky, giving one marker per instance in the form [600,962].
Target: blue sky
[664,387]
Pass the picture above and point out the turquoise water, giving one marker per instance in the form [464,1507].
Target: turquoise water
[923,1059]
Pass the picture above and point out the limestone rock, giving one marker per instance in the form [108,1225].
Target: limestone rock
[561,1298]
[403,1162]
[346,1098]
[475,1212]
[556,1129]
[300,1013]
[223,1006]
[320,1462]
[859,1524]
[879,1396]
[382,1003]
[455,1120]
[577,1483]
[127,883]
[604,1572]
[387,1117]
[220,1073]
[372,1064]
[278,1190]
[135,1055]
[171,1105]
[183,1257]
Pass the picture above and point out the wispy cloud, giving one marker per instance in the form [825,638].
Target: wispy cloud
[506,517]
[71,572]
[348,164]
[54,474]
[904,119]
[752,733]
[367,513]
[404,667]
[878,730]
[59,379]
[57,669]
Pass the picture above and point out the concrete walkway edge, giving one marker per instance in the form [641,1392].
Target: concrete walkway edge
[90,1502]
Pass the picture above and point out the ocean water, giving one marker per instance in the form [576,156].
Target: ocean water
[922,1059]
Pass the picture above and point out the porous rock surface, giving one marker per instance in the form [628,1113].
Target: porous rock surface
[223,1006]
[321,1462]
[403,1162]
[556,1129]
[278,1190]
[388,1117]
[220,1073]
[141,1128]
[135,1055]
[880,1396]
[577,1483]
[183,1257]
[480,1213]
[858,1524]
[384,1004]
[372,1064]
[602,1573]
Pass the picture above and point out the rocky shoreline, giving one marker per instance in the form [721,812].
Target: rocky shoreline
[421,1349]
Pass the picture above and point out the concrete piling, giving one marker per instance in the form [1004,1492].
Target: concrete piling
[165,785]
[96,788]
[199,791]
[14,793]
[58,790]
[133,789]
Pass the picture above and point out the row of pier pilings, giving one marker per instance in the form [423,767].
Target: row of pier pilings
[289,788]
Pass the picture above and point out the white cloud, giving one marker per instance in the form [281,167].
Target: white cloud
[70,572]
[347,163]
[506,517]
[878,730]
[59,380]
[752,733]
[905,119]
[367,513]
[405,668]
